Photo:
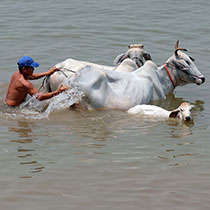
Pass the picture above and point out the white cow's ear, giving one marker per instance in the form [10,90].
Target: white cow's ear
[174,113]
[192,59]
[118,60]
[147,56]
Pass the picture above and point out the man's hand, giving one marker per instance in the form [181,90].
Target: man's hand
[52,70]
[62,88]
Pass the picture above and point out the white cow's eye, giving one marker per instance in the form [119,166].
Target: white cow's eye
[188,63]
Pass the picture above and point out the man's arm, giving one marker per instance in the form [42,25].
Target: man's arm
[45,96]
[39,75]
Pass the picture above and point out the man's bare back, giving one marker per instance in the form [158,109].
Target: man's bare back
[20,85]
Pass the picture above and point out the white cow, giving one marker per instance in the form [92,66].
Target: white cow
[136,53]
[183,112]
[121,90]
[129,61]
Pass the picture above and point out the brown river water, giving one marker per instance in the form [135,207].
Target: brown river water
[103,159]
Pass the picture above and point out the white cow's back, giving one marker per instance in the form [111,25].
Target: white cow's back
[77,65]
[118,90]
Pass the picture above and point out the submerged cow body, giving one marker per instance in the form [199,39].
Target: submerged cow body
[129,61]
[121,90]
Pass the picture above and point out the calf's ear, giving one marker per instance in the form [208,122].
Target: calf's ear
[174,113]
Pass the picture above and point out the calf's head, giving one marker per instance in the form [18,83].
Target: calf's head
[183,112]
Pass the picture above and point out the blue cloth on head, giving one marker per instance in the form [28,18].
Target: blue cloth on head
[27,61]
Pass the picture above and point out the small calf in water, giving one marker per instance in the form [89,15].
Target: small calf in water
[183,112]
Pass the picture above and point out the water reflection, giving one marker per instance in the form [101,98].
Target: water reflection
[179,129]
[27,156]
[199,106]
[24,129]
[101,125]
[22,141]
[97,125]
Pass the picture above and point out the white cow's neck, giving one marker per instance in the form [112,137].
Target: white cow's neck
[167,77]
[170,75]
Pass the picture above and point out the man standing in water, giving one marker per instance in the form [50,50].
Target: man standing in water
[20,85]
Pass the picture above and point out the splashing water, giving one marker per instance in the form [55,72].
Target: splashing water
[64,100]
[32,108]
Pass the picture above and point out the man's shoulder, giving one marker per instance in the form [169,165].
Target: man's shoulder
[26,83]
[21,81]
